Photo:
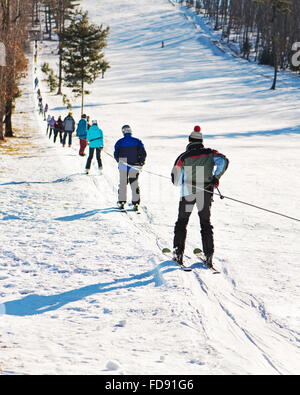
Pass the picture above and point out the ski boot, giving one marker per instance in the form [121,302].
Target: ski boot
[136,207]
[121,205]
[209,261]
[87,171]
[178,256]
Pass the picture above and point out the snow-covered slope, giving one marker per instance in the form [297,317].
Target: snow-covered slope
[84,288]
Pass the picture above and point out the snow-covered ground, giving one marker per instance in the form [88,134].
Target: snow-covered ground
[84,289]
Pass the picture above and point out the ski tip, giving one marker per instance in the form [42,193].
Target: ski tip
[166,250]
[197,251]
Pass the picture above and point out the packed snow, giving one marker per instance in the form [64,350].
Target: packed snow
[84,288]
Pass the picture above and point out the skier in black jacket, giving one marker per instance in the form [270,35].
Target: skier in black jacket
[198,171]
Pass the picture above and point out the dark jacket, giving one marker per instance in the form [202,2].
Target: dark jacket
[69,124]
[130,150]
[196,167]
[59,125]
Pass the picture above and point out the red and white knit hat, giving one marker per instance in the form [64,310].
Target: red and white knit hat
[196,134]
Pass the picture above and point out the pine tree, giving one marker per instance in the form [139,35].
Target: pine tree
[83,60]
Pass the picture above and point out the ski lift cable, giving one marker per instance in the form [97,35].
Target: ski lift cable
[218,193]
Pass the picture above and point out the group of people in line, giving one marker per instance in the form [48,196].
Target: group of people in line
[129,151]
[130,154]
[43,110]
[88,134]
[62,128]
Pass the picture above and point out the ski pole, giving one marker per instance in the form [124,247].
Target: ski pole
[221,196]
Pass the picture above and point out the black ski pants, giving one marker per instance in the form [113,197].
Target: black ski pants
[129,176]
[186,205]
[56,132]
[90,158]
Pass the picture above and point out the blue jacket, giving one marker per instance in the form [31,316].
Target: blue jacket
[95,137]
[82,129]
[129,150]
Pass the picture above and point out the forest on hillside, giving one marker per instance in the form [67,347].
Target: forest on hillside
[20,24]
[265,31]
[268,31]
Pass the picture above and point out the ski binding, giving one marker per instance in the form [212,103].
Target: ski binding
[198,253]
[168,253]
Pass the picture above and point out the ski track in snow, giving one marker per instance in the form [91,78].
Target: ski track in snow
[85,288]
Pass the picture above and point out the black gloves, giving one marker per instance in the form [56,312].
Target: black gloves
[215,181]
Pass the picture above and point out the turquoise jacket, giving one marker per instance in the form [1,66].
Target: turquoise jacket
[82,129]
[95,137]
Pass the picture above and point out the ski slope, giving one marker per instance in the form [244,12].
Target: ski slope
[84,289]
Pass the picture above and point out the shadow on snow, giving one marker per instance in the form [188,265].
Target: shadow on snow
[88,214]
[38,304]
[285,131]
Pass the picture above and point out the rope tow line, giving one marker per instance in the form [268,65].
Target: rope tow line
[218,193]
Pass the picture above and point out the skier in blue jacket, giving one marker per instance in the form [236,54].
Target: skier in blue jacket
[95,139]
[81,132]
[130,153]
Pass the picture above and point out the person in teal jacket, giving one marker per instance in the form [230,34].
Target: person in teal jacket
[95,139]
[81,132]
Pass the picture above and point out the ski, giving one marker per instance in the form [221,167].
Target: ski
[136,209]
[198,253]
[122,209]
[167,252]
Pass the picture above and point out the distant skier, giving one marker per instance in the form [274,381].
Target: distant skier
[45,111]
[48,124]
[41,109]
[69,127]
[131,155]
[52,126]
[81,132]
[58,129]
[95,139]
[196,170]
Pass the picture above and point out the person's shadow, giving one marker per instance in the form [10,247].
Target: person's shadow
[39,304]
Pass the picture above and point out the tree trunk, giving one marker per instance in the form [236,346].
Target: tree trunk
[50,23]
[8,120]
[275,72]
[46,21]
[274,45]
[82,97]
[61,30]
[60,80]
[1,129]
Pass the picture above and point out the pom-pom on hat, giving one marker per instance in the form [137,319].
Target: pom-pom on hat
[196,135]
